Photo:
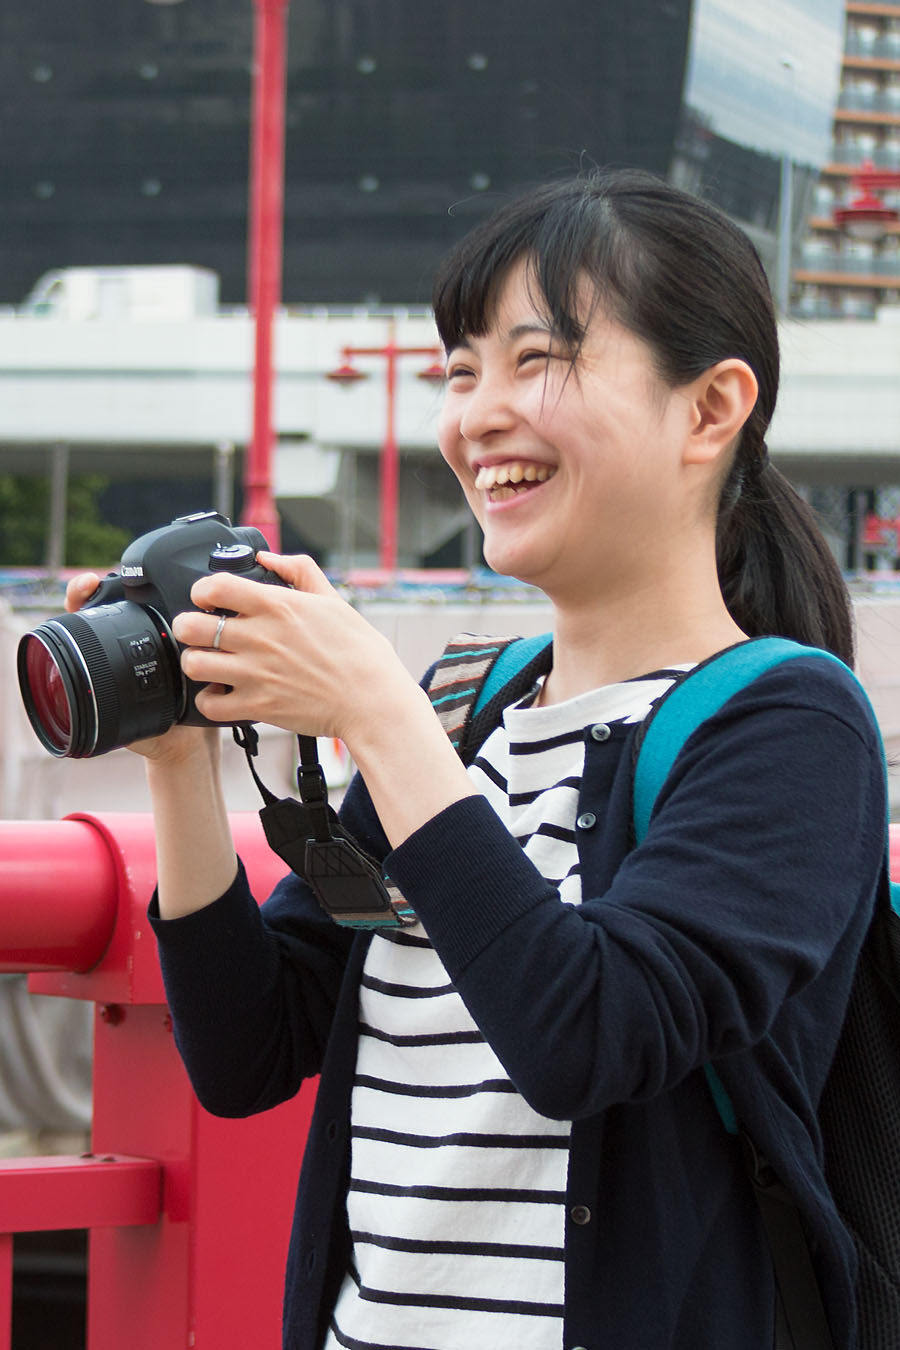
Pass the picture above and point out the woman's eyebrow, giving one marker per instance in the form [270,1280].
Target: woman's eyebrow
[524,329]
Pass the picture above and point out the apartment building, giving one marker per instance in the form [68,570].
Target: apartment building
[839,275]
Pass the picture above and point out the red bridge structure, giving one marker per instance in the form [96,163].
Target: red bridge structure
[188,1215]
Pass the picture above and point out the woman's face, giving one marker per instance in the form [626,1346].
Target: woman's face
[571,470]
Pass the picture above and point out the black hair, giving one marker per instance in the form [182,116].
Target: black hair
[679,274]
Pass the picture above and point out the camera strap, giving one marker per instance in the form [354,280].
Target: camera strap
[310,838]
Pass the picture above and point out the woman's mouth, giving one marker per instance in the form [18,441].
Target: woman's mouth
[502,481]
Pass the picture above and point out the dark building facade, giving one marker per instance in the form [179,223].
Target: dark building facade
[126,128]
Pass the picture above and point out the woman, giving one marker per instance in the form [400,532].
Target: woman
[514,1142]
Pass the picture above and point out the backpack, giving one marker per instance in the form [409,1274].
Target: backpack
[859,1113]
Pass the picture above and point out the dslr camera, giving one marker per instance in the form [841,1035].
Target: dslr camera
[110,673]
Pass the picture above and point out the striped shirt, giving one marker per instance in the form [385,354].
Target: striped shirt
[457,1189]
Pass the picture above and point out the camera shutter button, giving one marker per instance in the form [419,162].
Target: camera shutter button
[232,558]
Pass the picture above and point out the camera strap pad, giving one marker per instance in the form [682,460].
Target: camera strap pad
[310,838]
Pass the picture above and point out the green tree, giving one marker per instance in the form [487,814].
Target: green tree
[24,521]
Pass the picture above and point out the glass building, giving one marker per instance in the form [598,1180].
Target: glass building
[126,126]
[760,88]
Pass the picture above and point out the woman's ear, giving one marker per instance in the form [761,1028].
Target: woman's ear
[722,399]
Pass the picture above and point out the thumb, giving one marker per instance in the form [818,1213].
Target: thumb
[298,570]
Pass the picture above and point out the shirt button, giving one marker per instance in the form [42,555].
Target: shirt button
[580,1214]
[600,732]
[587,821]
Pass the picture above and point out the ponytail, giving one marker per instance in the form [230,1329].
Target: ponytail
[777,574]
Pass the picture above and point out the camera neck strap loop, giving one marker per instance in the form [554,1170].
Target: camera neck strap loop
[309,837]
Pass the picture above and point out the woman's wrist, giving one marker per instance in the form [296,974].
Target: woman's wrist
[410,769]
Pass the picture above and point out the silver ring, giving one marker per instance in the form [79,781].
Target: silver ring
[218,637]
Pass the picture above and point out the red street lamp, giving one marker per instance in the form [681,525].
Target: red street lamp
[265,253]
[347,374]
[866,216]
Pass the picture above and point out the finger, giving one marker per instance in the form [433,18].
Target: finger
[298,570]
[222,703]
[195,628]
[223,590]
[212,702]
[203,666]
[80,589]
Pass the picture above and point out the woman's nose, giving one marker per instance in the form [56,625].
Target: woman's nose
[488,410]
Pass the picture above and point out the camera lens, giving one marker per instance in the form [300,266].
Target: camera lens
[100,678]
[48,693]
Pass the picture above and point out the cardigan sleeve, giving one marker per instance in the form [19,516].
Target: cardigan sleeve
[747,902]
[253,989]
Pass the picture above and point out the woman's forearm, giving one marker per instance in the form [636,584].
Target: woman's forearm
[196,860]
[411,771]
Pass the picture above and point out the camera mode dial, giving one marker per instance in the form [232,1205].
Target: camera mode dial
[232,558]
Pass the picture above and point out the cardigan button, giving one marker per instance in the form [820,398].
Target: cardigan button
[600,732]
[587,821]
[580,1214]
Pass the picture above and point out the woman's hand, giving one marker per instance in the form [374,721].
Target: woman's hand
[296,656]
[301,658]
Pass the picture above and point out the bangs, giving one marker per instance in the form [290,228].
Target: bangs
[557,230]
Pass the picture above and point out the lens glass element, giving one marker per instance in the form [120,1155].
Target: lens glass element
[51,703]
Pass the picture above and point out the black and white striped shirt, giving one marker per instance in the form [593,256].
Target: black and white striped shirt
[456,1199]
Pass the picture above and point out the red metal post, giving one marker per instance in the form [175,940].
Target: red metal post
[389,463]
[265,253]
[189,1216]
[390,469]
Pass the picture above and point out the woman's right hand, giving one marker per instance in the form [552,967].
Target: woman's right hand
[180,744]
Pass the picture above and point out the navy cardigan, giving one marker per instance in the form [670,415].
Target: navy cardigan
[729,935]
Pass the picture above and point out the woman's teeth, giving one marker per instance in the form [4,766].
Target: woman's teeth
[503,475]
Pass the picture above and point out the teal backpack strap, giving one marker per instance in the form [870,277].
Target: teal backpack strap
[471,669]
[514,658]
[677,716]
[688,705]
[802,1322]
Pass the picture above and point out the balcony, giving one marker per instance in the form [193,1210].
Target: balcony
[821,307]
[850,155]
[883,48]
[880,103]
[850,266]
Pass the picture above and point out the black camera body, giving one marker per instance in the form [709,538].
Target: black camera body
[110,673]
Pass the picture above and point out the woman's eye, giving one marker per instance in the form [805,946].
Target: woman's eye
[528,357]
[457,373]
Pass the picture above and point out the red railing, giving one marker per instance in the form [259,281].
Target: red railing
[188,1215]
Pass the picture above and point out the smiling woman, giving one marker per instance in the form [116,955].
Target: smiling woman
[514,1143]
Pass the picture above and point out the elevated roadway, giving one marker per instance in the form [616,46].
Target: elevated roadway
[156,399]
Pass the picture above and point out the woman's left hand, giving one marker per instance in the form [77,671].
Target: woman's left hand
[297,657]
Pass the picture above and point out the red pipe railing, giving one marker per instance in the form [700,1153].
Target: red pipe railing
[188,1215]
[57,895]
